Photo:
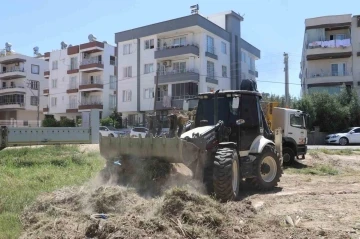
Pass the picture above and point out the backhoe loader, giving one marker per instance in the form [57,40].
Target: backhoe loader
[229,141]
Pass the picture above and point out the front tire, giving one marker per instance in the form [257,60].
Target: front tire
[288,156]
[268,170]
[226,174]
[343,141]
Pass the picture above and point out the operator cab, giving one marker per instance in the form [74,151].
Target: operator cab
[234,107]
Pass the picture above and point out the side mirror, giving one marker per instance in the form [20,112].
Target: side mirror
[235,103]
[240,122]
[351,132]
[186,105]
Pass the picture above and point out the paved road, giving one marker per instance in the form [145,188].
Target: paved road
[357,147]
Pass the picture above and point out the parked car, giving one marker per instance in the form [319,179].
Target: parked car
[347,136]
[136,131]
[110,131]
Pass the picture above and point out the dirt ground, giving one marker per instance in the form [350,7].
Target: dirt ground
[318,205]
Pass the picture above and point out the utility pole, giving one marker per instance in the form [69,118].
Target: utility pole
[156,87]
[286,69]
[38,98]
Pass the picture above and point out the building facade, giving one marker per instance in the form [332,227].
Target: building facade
[21,77]
[81,78]
[184,57]
[331,54]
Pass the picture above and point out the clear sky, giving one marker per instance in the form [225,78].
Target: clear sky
[273,26]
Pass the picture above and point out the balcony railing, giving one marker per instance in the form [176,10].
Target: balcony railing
[211,49]
[72,105]
[93,60]
[22,104]
[12,87]
[328,74]
[16,69]
[177,71]
[329,44]
[170,45]
[72,86]
[91,82]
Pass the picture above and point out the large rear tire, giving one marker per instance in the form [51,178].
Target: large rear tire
[268,169]
[226,174]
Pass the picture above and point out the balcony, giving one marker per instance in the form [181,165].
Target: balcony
[211,52]
[254,73]
[91,65]
[46,92]
[175,102]
[89,104]
[12,73]
[328,77]
[13,89]
[12,105]
[72,69]
[211,78]
[330,49]
[91,47]
[177,76]
[176,50]
[11,59]
[46,74]
[72,88]
[91,85]
[72,107]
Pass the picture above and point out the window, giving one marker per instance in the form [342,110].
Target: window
[127,49]
[112,83]
[223,47]
[179,67]
[340,36]
[126,96]
[149,93]
[73,102]
[210,69]
[224,71]
[73,63]
[338,69]
[112,60]
[12,99]
[53,101]
[297,121]
[34,85]
[33,100]
[180,41]
[127,72]
[54,65]
[210,45]
[112,101]
[148,68]
[35,69]
[184,90]
[243,56]
[73,82]
[149,44]
[54,83]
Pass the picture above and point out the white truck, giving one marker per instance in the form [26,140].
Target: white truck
[293,123]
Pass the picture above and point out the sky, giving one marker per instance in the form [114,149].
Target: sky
[273,26]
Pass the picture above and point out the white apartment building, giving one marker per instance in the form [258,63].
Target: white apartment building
[81,78]
[331,54]
[192,54]
[21,77]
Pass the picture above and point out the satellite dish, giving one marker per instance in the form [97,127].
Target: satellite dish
[36,50]
[91,38]
[3,52]
[63,45]
[8,46]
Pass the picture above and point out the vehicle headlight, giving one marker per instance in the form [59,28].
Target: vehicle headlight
[334,136]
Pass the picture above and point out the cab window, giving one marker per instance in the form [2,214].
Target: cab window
[297,121]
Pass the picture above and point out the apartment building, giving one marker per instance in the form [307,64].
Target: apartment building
[81,78]
[184,56]
[331,54]
[21,77]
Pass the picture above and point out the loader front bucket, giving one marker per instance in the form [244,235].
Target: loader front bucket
[172,150]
